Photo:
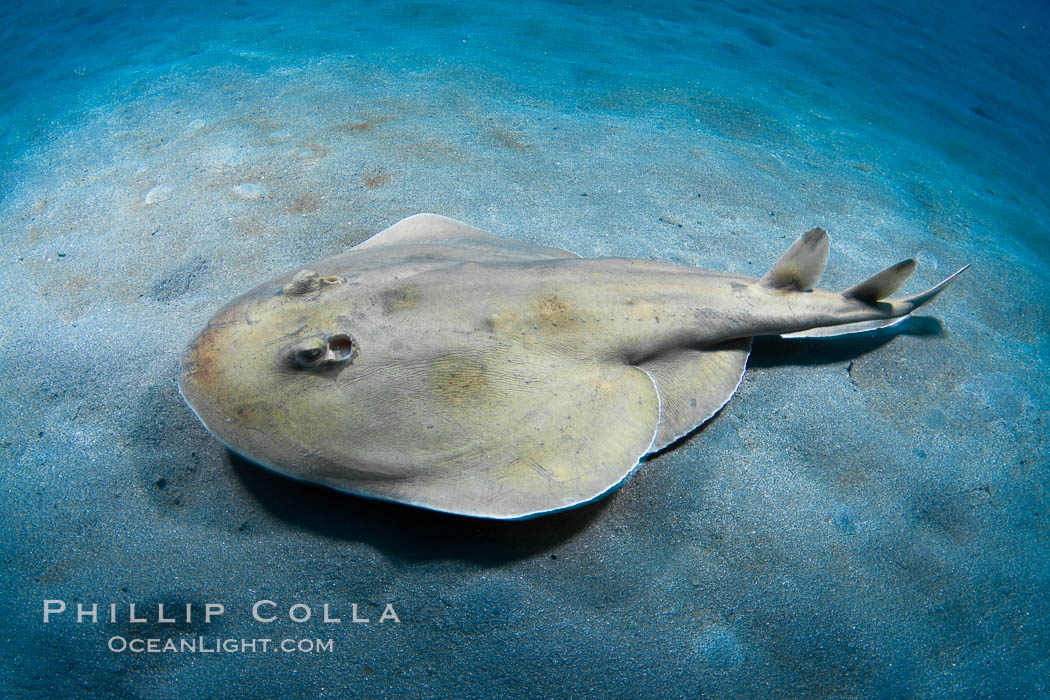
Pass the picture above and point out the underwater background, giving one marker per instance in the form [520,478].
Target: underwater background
[868,517]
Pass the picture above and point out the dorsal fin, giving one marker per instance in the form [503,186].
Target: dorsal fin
[882,284]
[801,266]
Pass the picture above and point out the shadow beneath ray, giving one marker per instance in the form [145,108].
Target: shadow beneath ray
[406,532]
[774,351]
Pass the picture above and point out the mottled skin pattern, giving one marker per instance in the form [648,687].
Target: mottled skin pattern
[442,367]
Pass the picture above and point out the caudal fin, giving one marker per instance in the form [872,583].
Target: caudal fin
[873,291]
[917,300]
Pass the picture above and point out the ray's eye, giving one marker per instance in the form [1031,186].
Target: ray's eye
[314,353]
[309,354]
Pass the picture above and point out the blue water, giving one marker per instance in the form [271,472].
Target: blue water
[865,518]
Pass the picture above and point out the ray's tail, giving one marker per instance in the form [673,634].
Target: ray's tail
[801,266]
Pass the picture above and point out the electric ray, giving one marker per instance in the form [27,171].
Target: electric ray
[444,367]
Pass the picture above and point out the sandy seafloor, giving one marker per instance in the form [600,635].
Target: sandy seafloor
[866,518]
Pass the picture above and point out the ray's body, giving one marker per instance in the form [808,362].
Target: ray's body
[440,366]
